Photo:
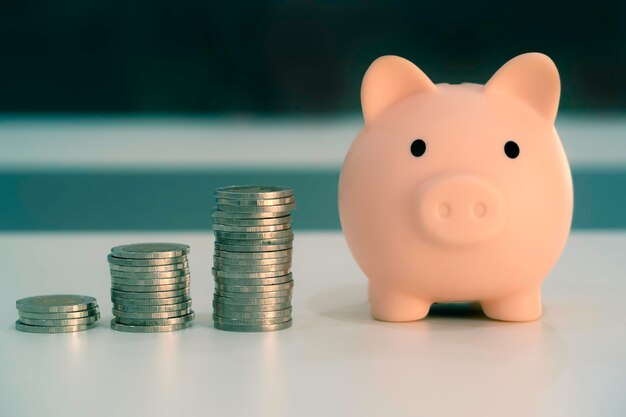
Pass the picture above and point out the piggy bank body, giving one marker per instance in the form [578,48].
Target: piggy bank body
[457,192]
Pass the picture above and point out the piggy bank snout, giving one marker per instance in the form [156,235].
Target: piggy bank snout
[461,209]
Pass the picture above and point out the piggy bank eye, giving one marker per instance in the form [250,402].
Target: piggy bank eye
[418,147]
[511,149]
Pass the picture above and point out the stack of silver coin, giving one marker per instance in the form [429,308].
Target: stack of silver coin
[57,313]
[252,259]
[150,287]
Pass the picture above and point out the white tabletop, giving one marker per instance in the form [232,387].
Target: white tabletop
[336,360]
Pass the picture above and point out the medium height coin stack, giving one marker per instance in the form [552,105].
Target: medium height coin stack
[252,260]
[150,287]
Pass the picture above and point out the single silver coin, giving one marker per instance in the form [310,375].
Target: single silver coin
[157,281]
[251,229]
[220,215]
[60,322]
[284,314]
[149,288]
[59,303]
[150,250]
[62,316]
[255,328]
[253,192]
[147,262]
[219,261]
[156,322]
[250,322]
[224,221]
[252,248]
[150,275]
[256,202]
[155,268]
[148,329]
[59,329]
[244,295]
[288,233]
[152,295]
[247,275]
[282,208]
[253,281]
[152,309]
[161,315]
[287,253]
[253,268]
[225,308]
[150,301]
[255,242]
[254,288]
[251,301]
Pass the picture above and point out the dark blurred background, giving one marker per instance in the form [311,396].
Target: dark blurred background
[288,56]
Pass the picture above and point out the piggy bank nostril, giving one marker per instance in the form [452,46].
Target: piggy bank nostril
[444,210]
[480,210]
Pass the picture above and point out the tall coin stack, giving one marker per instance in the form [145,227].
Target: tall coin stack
[150,287]
[57,313]
[252,260]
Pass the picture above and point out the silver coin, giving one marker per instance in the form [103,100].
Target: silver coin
[150,301]
[63,316]
[244,295]
[253,192]
[60,322]
[225,308]
[220,215]
[256,202]
[150,275]
[143,269]
[285,314]
[249,322]
[251,301]
[59,303]
[252,248]
[254,255]
[251,229]
[254,288]
[256,328]
[149,295]
[150,250]
[255,242]
[253,268]
[161,315]
[253,262]
[254,281]
[282,208]
[238,222]
[156,322]
[146,262]
[157,281]
[254,236]
[148,329]
[262,294]
[247,275]
[152,309]
[59,329]
[150,288]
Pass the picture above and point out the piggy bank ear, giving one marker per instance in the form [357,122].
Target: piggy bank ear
[533,78]
[388,80]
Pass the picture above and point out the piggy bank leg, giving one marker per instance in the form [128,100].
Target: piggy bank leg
[524,306]
[388,304]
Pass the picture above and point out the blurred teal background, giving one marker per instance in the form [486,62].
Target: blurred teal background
[126,115]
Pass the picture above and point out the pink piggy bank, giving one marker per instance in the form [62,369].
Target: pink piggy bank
[457,192]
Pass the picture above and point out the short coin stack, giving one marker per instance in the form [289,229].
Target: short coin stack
[150,287]
[252,262]
[57,313]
